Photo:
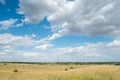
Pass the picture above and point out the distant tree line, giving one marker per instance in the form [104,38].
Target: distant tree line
[66,63]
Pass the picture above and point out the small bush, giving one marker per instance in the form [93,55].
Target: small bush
[15,70]
[66,69]
[5,63]
[71,68]
[117,64]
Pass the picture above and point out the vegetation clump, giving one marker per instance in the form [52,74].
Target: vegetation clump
[66,69]
[71,68]
[5,63]
[117,64]
[15,70]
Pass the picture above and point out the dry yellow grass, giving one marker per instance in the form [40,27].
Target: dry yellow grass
[57,72]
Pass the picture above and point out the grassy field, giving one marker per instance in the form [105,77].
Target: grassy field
[11,71]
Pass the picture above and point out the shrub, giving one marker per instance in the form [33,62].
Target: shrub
[71,68]
[15,70]
[117,64]
[5,63]
[66,69]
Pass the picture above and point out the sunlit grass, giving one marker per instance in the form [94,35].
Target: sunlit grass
[58,72]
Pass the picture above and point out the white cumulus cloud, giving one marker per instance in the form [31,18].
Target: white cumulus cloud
[88,52]
[9,40]
[6,24]
[41,9]
[115,43]
[43,47]
[80,17]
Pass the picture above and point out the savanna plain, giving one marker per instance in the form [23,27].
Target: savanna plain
[14,71]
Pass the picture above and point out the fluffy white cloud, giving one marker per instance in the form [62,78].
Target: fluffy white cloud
[88,17]
[115,43]
[88,52]
[49,38]
[43,47]
[9,40]
[17,56]
[29,54]
[41,9]
[10,44]
[84,51]
[6,24]
[81,17]
[19,25]
[2,2]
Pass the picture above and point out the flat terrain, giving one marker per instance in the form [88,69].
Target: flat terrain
[11,71]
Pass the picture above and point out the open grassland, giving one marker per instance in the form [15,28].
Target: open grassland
[11,71]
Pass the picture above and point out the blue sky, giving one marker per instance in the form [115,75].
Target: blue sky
[55,30]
